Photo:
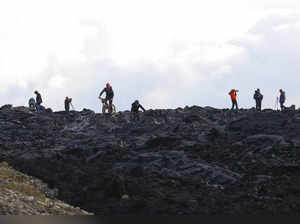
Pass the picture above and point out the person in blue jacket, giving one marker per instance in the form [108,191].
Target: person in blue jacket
[282,99]
[31,103]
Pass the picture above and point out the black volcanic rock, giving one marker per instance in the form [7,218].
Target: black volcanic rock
[184,161]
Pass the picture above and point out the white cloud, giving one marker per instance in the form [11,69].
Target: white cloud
[168,53]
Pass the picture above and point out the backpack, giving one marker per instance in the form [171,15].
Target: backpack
[31,101]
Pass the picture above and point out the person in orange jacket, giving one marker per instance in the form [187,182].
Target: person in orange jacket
[233,95]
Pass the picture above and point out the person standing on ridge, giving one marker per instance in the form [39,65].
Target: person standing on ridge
[135,106]
[258,99]
[68,101]
[38,101]
[282,99]
[233,94]
[109,96]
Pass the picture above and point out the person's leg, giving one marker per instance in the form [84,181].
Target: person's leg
[236,104]
[37,107]
[259,104]
[232,104]
[110,105]
[106,104]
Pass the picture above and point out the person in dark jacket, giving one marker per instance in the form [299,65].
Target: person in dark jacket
[68,101]
[38,101]
[109,95]
[258,99]
[135,106]
[282,99]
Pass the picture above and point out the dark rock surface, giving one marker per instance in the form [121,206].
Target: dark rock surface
[184,161]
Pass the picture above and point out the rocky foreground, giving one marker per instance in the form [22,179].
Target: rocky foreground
[184,161]
[24,195]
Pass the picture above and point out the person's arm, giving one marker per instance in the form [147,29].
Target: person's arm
[101,93]
[140,106]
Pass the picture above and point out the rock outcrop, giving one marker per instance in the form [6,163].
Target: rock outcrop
[188,160]
[24,195]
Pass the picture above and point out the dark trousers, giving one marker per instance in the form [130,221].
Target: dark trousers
[38,107]
[258,105]
[282,106]
[234,104]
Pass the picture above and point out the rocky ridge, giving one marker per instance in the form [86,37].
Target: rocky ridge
[190,160]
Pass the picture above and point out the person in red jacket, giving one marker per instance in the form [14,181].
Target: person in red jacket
[233,95]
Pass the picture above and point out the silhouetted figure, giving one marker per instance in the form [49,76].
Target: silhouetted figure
[135,106]
[68,101]
[258,99]
[282,99]
[38,101]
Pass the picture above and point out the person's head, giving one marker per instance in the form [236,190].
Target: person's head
[107,85]
[258,90]
[36,92]
[136,101]
[281,91]
[67,97]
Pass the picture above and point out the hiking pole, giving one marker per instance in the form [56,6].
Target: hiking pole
[72,106]
[276,103]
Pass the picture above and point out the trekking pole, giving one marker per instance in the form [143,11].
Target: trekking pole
[276,103]
[72,106]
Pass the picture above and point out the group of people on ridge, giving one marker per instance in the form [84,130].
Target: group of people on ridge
[35,104]
[258,97]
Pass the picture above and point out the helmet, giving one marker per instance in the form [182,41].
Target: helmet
[281,90]
[107,85]
[137,102]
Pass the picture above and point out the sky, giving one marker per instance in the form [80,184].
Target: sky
[165,53]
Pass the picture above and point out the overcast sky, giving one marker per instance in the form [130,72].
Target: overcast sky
[166,53]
